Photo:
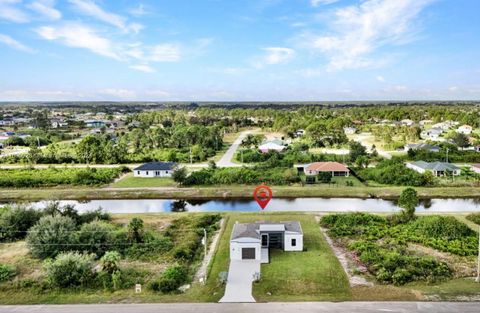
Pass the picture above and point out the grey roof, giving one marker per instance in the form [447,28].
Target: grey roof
[252,230]
[420,146]
[436,166]
[156,166]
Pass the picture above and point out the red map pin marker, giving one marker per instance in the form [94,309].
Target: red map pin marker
[263,194]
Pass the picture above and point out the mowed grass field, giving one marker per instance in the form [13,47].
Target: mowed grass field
[312,275]
[129,181]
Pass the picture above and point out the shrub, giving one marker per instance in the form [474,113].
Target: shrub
[15,222]
[153,245]
[70,269]
[50,236]
[110,262]
[408,201]
[7,272]
[474,217]
[135,230]
[95,237]
[171,279]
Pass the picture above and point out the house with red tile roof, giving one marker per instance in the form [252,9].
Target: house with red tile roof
[335,168]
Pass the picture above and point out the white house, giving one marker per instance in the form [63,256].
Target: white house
[155,169]
[251,241]
[433,133]
[273,145]
[437,168]
[465,129]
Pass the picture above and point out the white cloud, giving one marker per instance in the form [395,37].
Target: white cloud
[358,31]
[90,8]
[118,93]
[143,68]
[164,53]
[274,55]
[316,3]
[9,12]
[9,41]
[138,11]
[380,78]
[46,8]
[79,36]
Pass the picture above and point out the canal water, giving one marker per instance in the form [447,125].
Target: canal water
[297,204]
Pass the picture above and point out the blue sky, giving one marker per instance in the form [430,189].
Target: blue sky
[239,50]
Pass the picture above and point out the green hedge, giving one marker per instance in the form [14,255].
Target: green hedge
[20,178]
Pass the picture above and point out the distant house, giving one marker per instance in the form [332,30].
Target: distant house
[95,123]
[59,123]
[300,132]
[335,168]
[155,169]
[421,146]
[437,168]
[465,129]
[251,241]
[272,145]
[349,130]
[475,168]
[7,122]
[434,133]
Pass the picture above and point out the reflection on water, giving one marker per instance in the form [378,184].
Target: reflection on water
[245,205]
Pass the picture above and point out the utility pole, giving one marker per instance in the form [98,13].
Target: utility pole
[191,161]
[478,259]
[447,155]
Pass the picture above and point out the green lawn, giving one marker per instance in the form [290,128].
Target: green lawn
[312,275]
[138,182]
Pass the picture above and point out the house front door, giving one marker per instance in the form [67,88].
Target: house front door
[264,240]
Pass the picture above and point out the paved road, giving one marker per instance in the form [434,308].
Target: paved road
[226,160]
[304,307]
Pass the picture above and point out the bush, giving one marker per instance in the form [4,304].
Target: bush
[15,222]
[70,269]
[95,237]
[171,279]
[394,172]
[474,217]
[7,272]
[51,236]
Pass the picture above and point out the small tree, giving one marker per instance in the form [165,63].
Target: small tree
[135,229]
[180,175]
[408,201]
[356,150]
[461,140]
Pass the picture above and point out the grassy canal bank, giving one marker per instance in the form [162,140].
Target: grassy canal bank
[92,193]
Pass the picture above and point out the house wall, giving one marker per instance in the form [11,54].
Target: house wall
[239,243]
[288,242]
[475,169]
[150,174]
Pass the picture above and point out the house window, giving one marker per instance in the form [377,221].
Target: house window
[264,240]
[147,172]
[138,172]
[294,242]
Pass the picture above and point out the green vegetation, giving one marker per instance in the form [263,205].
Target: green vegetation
[474,217]
[20,178]
[384,247]
[394,172]
[104,257]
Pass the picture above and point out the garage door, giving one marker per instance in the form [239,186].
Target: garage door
[248,253]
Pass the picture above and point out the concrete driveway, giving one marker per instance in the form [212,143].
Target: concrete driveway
[239,283]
